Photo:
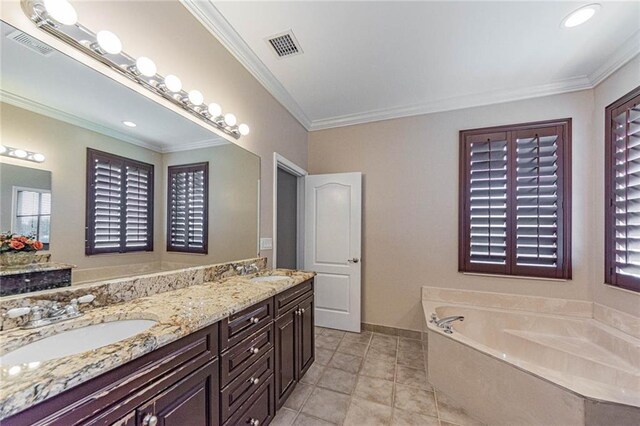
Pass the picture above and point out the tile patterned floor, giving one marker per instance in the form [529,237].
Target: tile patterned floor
[368,379]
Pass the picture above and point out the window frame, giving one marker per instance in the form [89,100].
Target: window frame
[185,168]
[563,270]
[611,277]
[90,248]
[14,211]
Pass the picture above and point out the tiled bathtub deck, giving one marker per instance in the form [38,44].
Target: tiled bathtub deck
[368,379]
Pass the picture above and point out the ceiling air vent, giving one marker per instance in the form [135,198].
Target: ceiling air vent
[285,44]
[30,42]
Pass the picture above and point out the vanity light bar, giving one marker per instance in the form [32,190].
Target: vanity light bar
[21,154]
[59,18]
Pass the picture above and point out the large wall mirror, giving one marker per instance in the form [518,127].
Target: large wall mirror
[127,186]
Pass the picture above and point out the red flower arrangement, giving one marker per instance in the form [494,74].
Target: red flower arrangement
[13,243]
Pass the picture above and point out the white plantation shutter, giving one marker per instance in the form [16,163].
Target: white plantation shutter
[188,208]
[488,200]
[513,218]
[623,209]
[119,204]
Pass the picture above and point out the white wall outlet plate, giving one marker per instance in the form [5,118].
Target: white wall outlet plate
[266,243]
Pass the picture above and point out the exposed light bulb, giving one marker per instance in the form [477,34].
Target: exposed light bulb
[20,153]
[109,42]
[173,83]
[230,119]
[581,15]
[243,129]
[38,157]
[215,110]
[129,123]
[61,11]
[3,149]
[146,66]
[195,97]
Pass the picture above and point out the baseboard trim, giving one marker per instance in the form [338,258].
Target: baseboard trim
[393,331]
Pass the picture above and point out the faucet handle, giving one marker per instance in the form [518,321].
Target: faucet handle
[17,312]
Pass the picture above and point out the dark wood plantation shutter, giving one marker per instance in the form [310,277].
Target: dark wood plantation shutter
[187,207]
[515,200]
[119,204]
[622,230]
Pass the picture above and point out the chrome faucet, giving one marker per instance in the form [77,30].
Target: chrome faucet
[247,269]
[445,323]
[39,316]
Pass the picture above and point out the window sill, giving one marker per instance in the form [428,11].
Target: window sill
[516,277]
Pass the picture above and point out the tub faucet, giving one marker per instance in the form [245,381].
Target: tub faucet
[446,321]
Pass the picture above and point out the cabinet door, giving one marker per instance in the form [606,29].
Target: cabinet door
[306,336]
[192,401]
[286,355]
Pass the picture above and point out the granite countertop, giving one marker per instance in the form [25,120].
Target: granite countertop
[33,267]
[178,313]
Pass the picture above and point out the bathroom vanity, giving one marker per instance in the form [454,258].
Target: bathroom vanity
[238,369]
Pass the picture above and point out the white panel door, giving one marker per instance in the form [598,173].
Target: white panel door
[333,218]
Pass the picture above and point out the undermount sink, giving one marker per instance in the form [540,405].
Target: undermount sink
[76,341]
[268,278]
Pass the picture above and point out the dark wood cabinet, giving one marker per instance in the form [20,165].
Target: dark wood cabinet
[192,401]
[295,338]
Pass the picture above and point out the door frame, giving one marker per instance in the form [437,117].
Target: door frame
[280,162]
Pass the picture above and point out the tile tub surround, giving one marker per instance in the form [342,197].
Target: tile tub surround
[124,289]
[363,379]
[178,312]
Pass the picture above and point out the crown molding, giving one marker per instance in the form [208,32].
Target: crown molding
[455,103]
[623,54]
[38,108]
[211,18]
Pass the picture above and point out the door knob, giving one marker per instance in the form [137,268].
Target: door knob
[354,260]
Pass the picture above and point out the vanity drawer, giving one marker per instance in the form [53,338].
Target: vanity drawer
[259,409]
[287,299]
[234,361]
[242,324]
[243,386]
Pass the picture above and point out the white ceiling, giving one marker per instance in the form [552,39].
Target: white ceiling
[366,61]
[63,88]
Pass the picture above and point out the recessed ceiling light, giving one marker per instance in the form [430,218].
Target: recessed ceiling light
[580,15]
[129,123]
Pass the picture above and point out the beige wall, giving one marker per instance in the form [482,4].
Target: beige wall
[65,149]
[166,32]
[410,213]
[620,83]
[233,203]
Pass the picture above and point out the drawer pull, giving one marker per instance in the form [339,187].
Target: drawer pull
[254,380]
[254,350]
[301,311]
[254,422]
[150,420]
[254,320]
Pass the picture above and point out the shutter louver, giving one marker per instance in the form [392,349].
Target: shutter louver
[625,135]
[514,217]
[119,204]
[537,201]
[488,201]
[187,208]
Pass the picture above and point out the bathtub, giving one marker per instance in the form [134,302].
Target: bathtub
[512,366]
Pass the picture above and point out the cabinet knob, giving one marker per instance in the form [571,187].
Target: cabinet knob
[254,320]
[254,422]
[301,311]
[254,350]
[254,380]
[354,260]
[150,420]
